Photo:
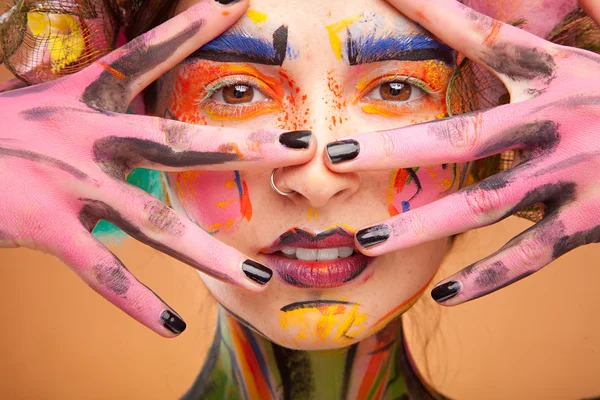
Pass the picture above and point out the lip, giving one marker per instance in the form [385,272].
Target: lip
[316,274]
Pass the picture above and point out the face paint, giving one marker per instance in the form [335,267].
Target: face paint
[338,322]
[257,17]
[410,188]
[334,30]
[219,209]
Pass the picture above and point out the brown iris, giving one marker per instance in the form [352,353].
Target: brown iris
[395,91]
[237,94]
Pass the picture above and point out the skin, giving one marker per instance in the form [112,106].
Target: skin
[315,88]
[114,282]
[551,123]
[81,180]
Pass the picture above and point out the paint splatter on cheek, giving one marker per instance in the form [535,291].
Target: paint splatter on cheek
[216,201]
[294,114]
[410,188]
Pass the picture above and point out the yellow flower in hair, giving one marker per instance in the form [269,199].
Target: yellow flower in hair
[63,34]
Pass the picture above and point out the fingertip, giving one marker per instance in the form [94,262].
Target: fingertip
[173,324]
[444,292]
[257,273]
[342,151]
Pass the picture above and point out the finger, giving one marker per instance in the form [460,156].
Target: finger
[148,220]
[481,204]
[107,275]
[524,255]
[591,8]
[513,54]
[458,139]
[157,143]
[124,73]
[12,84]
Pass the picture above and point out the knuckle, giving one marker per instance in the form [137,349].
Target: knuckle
[529,253]
[162,219]
[462,133]
[482,203]
[389,142]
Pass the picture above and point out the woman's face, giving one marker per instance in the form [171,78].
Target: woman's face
[336,68]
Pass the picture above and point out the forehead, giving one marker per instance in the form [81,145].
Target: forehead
[318,26]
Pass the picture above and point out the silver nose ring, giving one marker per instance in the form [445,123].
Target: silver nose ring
[275,188]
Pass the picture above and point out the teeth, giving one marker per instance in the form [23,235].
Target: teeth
[288,251]
[317,254]
[306,254]
[345,252]
[327,254]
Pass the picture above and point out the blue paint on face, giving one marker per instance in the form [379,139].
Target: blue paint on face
[392,46]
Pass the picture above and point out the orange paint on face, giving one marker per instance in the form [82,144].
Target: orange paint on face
[225,13]
[191,101]
[433,75]
[338,102]
[293,114]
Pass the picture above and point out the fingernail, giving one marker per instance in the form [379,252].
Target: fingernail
[445,291]
[227,2]
[257,272]
[343,150]
[296,139]
[172,322]
[373,236]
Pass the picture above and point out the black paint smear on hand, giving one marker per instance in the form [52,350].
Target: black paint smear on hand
[112,277]
[110,93]
[94,210]
[520,63]
[118,156]
[570,242]
[542,136]
[552,195]
[43,159]
[491,276]
[44,113]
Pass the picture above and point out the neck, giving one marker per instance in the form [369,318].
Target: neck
[243,364]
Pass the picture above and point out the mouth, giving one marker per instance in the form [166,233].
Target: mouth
[325,260]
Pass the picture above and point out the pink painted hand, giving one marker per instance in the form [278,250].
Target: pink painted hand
[552,124]
[65,150]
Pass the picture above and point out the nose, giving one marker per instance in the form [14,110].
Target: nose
[314,184]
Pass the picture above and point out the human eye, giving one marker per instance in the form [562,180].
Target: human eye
[237,97]
[398,96]
[396,91]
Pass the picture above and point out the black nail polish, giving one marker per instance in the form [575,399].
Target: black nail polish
[296,139]
[372,236]
[227,2]
[257,272]
[172,322]
[445,291]
[343,150]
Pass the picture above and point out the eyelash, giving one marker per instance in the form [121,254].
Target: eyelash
[222,110]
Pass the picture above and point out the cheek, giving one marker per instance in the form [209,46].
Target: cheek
[410,188]
[217,201]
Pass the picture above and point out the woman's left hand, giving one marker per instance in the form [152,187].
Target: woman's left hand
[552,123]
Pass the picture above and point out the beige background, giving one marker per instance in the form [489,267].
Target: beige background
[537,339]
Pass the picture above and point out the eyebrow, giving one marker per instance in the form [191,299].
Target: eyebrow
[370,49]
[240,46]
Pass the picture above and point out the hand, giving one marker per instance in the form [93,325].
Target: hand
[65,151]
[552,123]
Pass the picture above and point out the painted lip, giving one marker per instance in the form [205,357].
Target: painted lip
[316,274]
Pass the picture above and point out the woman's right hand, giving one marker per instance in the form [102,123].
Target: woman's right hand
[66,148]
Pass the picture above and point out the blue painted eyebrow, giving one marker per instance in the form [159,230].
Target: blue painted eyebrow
[240,46]
[369,49]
